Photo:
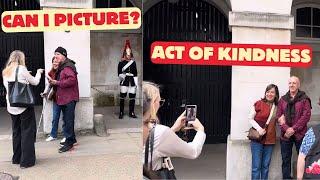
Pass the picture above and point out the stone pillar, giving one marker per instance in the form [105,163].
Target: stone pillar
[77,44]
[255,22]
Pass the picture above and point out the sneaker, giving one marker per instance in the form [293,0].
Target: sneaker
[65,148]
[63,140]
[64,143]
[50,139]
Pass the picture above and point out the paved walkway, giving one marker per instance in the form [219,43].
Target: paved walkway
[117,156]
[114,157]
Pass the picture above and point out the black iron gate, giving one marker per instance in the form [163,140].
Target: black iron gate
[209,87]
[30,43]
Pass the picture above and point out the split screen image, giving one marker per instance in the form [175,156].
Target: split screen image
[103,110]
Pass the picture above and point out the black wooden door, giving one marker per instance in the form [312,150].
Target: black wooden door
[30,43]
[209,87]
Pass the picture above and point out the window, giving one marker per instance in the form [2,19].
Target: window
[308,22]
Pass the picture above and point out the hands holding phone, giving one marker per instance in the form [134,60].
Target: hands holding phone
[196,125]
[181,123]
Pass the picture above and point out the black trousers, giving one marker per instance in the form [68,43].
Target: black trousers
[23,138]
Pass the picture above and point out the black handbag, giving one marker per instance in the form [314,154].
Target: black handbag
[20,94]
[163,173]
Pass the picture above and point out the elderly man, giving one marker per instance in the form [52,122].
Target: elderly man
[67,95]
[294,111]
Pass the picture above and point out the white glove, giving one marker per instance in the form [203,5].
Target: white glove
[135,79]
[122,77]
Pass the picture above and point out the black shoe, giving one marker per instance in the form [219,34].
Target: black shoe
[121,115]
[13,162]
[64,143]
[132,115]
[65,148]
[26,166]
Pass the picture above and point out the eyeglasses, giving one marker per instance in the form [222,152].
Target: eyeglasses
[162,102]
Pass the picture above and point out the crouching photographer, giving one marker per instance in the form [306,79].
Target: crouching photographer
[161,142]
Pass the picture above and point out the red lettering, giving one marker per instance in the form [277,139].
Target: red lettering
[18,21]
[59,19]
[32,20]
[124,17]
[76,19]
[112,18]
[87,17]
[46,20]
[98,21]
[69,15]
[5,21]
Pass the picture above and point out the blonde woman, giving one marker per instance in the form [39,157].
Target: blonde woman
[23,119]
[166,142]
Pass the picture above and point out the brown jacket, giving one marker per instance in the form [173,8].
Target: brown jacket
[263,110]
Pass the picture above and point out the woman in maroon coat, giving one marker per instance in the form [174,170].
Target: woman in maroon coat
[262,118]
[51,95]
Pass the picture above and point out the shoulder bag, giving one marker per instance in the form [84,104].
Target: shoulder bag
[20,94]
[166,172]
[253,134]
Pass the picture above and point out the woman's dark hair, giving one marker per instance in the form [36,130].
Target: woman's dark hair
[276,98]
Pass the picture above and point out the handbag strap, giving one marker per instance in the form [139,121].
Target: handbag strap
[149,144]
[146,151]
[271,114]
[16,76]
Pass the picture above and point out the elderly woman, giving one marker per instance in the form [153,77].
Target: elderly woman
[166,142]
[23,119]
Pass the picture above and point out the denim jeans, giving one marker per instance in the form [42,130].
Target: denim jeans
[261,158]
[56,110]
[68,111]
[286,153]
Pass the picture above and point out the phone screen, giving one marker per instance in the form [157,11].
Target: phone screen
[191,112]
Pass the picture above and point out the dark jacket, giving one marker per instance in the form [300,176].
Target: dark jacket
[132,69]
[67,89]
[300,119]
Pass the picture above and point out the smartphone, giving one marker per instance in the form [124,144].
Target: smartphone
[191,112]
[48,77]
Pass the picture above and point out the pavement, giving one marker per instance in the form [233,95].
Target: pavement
[211,164]
[116,125]
[114,157]
[117,156]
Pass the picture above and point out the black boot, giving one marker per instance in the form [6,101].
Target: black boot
[131,105]
[121,115]
[122,96]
